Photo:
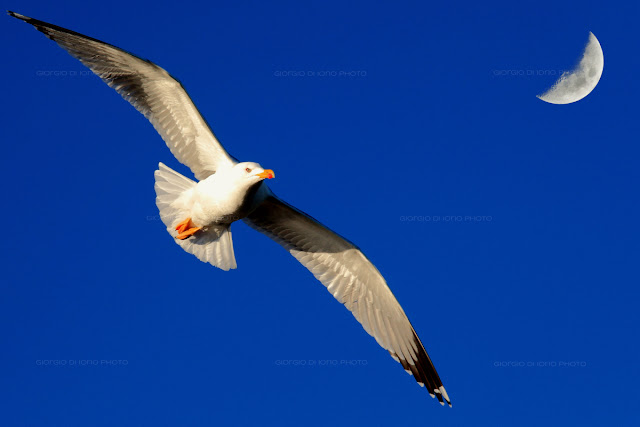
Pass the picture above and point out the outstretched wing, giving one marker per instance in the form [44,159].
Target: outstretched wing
[353,280]
[152,91]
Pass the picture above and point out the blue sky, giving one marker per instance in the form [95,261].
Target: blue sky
[506,227]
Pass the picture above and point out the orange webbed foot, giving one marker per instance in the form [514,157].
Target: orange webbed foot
[188,233]
[186,229]
[183,225]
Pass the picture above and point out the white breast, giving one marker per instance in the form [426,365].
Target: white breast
[214,198]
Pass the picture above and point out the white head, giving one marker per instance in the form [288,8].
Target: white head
[249,173]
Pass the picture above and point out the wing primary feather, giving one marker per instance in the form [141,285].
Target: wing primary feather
[152,91]
[351,278]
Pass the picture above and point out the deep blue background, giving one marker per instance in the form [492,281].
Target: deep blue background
[442,121]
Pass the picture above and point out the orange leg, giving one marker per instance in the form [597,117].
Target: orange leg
[188,233]
[183,225]
[185,229]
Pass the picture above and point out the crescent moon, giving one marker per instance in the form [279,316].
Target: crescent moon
[574,85]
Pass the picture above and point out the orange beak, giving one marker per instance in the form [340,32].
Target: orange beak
[267,174]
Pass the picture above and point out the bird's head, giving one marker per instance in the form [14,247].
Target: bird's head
[251,173]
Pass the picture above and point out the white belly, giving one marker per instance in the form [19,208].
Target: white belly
[221,198]
[215,202]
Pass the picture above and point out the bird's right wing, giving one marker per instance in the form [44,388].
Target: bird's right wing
[152,91]
[353,280]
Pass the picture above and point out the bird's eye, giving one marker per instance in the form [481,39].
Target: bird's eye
[248,170]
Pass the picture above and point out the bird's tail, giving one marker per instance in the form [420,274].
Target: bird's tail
[213,244]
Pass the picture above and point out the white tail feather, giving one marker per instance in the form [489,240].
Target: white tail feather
[213,245]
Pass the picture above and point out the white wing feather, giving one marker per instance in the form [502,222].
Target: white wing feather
[152,91]
[353,280]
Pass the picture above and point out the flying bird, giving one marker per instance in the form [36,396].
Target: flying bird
[198,214]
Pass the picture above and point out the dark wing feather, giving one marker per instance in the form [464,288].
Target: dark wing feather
[353,280]
[152,91]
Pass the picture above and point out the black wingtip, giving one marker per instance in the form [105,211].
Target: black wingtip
[17,15]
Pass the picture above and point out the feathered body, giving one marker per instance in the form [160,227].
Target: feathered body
[224,197]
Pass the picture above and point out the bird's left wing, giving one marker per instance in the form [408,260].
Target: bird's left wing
[152,91]
[353,280]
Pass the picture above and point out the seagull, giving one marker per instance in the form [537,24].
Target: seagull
[198,214]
